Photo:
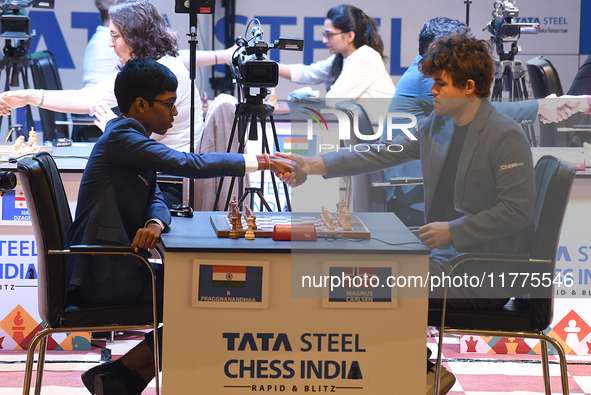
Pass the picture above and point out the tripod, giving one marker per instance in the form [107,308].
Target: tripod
[16,64]
[510,77]
[246,114]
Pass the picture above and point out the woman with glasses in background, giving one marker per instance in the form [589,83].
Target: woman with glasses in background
[356,68]
[138,30]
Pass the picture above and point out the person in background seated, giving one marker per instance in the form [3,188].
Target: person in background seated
[119,203]
[356,68]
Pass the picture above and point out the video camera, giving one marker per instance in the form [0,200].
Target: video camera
[7,181]
[251,66]
[15,25]
[503,29]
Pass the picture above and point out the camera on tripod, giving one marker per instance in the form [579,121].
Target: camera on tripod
[251,65]
[502,27]
[16,25]
[7,181]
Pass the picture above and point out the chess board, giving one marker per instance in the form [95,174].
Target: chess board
[6,151]
[266,221]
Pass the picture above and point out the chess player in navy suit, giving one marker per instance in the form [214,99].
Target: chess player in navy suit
[119,203]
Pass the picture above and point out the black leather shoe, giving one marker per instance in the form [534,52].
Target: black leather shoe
[89,376]
[110,384]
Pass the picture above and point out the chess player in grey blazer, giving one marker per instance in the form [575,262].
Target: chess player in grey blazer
[476,163]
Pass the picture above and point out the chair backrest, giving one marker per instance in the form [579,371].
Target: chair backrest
[543,77]
[553,180]
[50,216]
[46,76]
[365,198]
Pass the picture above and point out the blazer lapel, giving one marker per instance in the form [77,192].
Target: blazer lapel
[470,145]
[440,141]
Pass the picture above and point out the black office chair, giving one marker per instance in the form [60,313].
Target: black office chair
[543,77]
[365,198]
[55,124]
[529,315]
[51,218]
[544,81]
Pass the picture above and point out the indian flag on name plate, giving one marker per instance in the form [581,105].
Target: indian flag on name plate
[19,199]
[296,145]
[229,276]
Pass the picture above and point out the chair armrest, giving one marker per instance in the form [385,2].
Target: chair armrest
[103,250]
[399,181]
[495,257]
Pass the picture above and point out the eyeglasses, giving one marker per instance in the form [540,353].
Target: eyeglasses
[328,35]
[167,103]
[114,36]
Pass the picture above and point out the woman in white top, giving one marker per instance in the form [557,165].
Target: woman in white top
[356,68]
[138,30]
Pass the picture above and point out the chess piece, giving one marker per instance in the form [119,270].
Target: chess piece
[330,222]
[238,219]
[32,142]
[347,222]
[232,207]
[19,145]
[249,232]
[248,213]
[233,231]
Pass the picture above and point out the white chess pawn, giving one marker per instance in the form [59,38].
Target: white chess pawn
[249,235]
[347,222]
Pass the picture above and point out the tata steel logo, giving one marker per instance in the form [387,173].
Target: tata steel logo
[344,129]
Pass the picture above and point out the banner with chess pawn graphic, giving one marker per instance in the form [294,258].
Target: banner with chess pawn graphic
[571,327]
[19,317]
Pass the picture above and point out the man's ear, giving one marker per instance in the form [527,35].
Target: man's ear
[140,104]
[470,87]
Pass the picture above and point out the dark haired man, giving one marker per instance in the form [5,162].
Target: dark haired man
[413,96]
[476,164]
[119,203]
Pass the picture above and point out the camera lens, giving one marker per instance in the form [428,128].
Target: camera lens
[7,181]
[510,32]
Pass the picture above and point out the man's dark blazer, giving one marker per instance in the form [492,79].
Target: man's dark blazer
[118,194]
[494,185]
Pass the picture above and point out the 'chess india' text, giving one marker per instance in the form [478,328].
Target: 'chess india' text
[268,368]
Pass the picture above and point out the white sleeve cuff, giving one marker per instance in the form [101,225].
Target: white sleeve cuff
[251,163]
[157,221]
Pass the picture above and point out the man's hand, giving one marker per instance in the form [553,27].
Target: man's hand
[103,114]
[298,173]
[147,237]
[435,234]
[2,194]
[556,109]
